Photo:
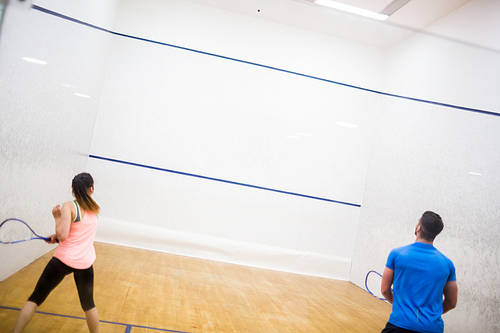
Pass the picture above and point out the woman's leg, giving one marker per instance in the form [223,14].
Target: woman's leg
[27,312]
[52,275]
[84,279]
[92,320]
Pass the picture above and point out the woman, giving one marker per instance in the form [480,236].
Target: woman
[76,224]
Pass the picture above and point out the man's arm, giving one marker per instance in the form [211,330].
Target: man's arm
[450,293]
[387,279]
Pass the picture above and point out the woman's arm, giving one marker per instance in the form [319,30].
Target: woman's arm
[63,217]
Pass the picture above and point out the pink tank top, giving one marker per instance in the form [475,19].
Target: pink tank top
[77,251]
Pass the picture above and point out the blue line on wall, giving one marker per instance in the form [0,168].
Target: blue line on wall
[222,180]
[458,107]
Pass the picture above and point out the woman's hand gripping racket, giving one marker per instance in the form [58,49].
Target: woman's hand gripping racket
[14,231]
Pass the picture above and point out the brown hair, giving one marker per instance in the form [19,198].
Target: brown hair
[81,184]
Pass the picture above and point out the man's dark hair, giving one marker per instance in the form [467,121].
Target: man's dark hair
[431,225]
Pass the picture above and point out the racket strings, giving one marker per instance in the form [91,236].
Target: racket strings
[367,283]
[14,231]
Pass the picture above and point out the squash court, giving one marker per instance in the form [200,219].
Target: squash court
[145,291]
[255,160]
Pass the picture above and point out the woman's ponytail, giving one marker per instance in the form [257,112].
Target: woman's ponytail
[81,184]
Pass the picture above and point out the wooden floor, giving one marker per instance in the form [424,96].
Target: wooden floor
[141,291]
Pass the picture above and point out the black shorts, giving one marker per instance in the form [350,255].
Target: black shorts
[390,328]
[54,273]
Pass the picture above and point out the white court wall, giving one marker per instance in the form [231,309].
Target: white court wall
[428,157]
[175,109]
[46,130]
[172,108]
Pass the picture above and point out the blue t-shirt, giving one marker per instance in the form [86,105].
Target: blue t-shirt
[420,273]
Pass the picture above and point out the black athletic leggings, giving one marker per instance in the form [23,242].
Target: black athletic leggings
[54,273]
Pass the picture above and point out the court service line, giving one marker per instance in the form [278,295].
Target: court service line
[222,180]
[128,327]
[458,107]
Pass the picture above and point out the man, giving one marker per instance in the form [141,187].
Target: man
[420,276]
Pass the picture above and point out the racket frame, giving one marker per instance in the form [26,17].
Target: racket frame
[26,239]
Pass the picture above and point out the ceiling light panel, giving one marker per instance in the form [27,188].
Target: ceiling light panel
[394,7]
[351,9]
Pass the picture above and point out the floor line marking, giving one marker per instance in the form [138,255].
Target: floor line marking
[127,329]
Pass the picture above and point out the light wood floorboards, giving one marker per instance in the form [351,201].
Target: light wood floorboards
[141,288]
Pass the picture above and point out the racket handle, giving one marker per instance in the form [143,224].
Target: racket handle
[48,239]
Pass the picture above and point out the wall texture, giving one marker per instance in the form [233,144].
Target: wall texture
[232,124]
[45,129]
[429,157]
[207,92]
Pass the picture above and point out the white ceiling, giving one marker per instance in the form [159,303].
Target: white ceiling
[413,17]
